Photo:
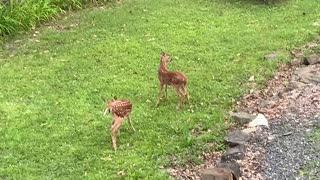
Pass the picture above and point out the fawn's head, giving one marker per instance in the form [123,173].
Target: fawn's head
[109,104]
[164,57]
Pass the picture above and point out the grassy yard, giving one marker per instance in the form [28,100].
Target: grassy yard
[52,80]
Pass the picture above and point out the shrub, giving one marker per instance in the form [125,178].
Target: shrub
[16,15]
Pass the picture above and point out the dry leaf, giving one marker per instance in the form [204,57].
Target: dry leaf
[106,159]
[251,79]
[121,173]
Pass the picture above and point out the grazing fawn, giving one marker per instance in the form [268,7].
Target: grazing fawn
[172,78]
[119,109]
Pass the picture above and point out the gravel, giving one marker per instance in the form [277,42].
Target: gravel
[289,150]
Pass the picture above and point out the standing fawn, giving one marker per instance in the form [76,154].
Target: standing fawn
[119,109]
[172,78]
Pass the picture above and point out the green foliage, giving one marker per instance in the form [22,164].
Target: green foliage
[23,15]
[51,123]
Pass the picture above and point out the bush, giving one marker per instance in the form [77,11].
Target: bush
[18,15]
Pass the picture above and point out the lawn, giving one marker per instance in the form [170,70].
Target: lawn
[52,80]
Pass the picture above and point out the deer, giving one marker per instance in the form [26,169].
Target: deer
[172,78]
[119,110]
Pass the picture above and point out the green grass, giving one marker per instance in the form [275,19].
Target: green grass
[17,15]
[311,169]
[51,123]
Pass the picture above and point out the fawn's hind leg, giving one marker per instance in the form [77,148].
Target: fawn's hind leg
[131,123]
[184,92]
[180,97]
[187,95]
[116,122]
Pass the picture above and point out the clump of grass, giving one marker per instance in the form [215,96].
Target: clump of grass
[23,15]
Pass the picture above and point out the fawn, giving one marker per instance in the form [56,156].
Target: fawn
[173,78]
[119,109]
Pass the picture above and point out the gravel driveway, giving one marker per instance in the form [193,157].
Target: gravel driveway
[290,150]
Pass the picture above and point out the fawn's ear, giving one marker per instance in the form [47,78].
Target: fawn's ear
[162,53]
[115,98]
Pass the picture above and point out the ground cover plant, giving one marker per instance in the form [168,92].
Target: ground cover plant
[52,81]
[17,15]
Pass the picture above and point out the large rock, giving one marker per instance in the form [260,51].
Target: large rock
[233,166]
[308,75]
[260,120]
[312,59]
[237,137]
[234,153]
[217,174]
[242,117]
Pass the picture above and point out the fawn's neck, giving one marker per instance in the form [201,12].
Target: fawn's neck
[162,66]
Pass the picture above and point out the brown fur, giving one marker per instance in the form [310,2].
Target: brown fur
[119,109]
[172,78]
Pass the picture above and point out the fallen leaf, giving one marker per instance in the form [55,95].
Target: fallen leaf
[121,173]
[251,78]
[106,159]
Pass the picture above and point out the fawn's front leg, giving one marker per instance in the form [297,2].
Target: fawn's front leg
[158,101]
[166,88]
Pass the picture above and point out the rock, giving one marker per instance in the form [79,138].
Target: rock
[242,117]
[276,96]
[260,120]
[312,59]
[237,137]
[308,75]
[264,104]
[234,153]
[271,56]
[216,174]
[233,166]
[297,84]
[249,130]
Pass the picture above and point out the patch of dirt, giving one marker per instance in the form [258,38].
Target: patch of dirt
[191,171]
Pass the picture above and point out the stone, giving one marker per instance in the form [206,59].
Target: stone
[297,84]
[233,166]
[271,56]
[260,120]
[237,137]
[249,130]
[234,153]
[216,174]
[308,75]
[242,117]
[264,104]
[312,59]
